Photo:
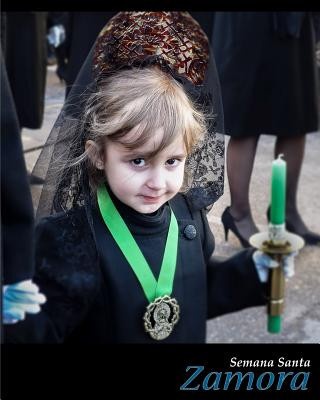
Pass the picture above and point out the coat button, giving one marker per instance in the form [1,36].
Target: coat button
[190,232]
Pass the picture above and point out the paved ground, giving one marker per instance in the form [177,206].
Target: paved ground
[301,322]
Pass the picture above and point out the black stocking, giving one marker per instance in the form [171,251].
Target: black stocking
[240,160]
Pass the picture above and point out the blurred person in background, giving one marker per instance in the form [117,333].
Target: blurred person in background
[57,25]
[25,56]
[23,40]
[19,294]
[267,69]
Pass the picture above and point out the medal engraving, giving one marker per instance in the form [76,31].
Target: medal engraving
[161,316]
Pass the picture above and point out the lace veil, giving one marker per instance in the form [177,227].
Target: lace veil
[173,41]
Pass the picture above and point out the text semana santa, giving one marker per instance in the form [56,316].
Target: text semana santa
[201,379]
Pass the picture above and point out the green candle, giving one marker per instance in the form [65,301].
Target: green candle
[277,217]
[278,191]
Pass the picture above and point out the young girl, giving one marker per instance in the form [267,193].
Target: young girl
[129,257]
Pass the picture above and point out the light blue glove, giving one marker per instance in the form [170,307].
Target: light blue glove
[56,35]
[264,262]
[20,298]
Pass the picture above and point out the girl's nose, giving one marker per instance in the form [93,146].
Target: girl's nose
[156,179]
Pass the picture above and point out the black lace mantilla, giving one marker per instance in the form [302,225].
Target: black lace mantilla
[67,187]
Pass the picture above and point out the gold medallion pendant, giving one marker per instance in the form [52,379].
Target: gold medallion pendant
[161,316]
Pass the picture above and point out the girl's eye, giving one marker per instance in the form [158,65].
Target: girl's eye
[172,162]
[138,162]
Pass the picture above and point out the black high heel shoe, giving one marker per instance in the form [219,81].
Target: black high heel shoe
[229,224]
[310,238]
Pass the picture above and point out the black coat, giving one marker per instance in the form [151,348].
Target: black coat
[268,76]
[16,204]
[25,54]
[94,296]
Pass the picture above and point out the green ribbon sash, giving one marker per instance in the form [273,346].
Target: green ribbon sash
[133,254]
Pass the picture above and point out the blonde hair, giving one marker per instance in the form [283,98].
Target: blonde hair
[145,99]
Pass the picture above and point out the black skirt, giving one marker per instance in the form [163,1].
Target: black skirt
[269,81]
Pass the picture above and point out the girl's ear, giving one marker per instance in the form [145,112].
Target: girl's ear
[95,154]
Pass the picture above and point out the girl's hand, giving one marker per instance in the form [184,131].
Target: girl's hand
[264,262]
[20,298]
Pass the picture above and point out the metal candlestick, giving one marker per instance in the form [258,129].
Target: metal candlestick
[276,283]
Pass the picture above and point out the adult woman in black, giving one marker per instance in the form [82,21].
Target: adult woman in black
[267,70]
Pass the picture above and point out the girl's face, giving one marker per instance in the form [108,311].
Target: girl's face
[142,183]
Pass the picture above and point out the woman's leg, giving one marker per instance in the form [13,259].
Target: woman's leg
[293,150]
[240,160]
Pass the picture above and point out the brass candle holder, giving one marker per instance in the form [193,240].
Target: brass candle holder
[276,283]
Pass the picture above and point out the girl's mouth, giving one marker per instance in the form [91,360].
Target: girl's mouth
[151,199]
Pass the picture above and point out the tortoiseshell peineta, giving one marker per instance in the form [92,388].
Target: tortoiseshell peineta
[171,39]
